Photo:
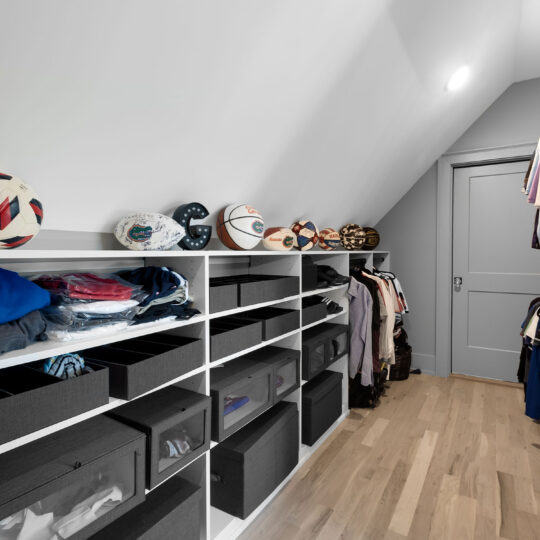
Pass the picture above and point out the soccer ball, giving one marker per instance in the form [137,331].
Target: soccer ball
[21,213]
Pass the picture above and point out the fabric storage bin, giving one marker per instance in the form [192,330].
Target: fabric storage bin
[275,321]
[338,335]
[312,311]
[286,366]
[229,335]
[315,352]
[309,274]
[263,288]
[31,399]
[72,483]
[240,390]
[170,512]
[223,294]
[321,405]
[139,365]
[250,464]
[177,426]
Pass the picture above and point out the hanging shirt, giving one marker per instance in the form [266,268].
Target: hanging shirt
[360,321]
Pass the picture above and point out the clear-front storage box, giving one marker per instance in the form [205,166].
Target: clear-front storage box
[240,389]
[73,482]
[177,424]
[250,464]
[314,352]
[170,512]
[338,336]
[286,366]
[138,365]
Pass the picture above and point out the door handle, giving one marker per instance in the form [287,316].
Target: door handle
[458,282]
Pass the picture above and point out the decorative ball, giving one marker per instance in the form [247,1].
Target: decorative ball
[240,226]
[329,239]
[278,239]
[372,238]
[197,236]
[352,236]
[306,234]
[145,231]
[21,213]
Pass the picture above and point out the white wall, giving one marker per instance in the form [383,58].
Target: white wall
[409,229]
[329,110]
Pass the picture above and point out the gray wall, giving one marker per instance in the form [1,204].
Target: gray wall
[409,229]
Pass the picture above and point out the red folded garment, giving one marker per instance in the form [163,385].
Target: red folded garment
[85,286]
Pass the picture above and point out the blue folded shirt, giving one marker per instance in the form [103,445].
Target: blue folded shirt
[19,296]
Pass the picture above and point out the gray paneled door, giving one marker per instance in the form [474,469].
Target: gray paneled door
[492,254]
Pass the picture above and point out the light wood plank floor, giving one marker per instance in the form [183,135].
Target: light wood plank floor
[438,459]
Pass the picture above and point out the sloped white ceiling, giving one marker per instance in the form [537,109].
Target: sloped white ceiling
[317,108]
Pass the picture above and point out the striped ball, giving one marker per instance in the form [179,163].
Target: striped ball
[329,239]
[306,234]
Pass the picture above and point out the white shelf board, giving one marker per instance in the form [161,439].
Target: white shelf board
[326,319]
[254,348]
[252,306]
[323,291]
[45,349]
[213,444]
[113,403]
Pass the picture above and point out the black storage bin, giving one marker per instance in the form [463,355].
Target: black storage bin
[240,390]
[275,321]
[170,512]
[263,288]
[76,481]
[248,466]
[223,294]
[141,364]
[286,366]
[313,310]
[177,426]
[338,345]
[315,353]
[309,274]
[229,335]
[321,405]
[31,400]
[249,289]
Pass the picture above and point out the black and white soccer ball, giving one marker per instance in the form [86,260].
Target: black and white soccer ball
[21,212]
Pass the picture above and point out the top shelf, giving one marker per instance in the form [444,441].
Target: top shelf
[30,254]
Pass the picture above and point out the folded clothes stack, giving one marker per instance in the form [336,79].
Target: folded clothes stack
[85,305]
[166,294]
[21,322]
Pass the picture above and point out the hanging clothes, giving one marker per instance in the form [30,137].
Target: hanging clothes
[529,365]
[360,320]
[531,188]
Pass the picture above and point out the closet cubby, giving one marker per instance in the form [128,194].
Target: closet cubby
[178,354]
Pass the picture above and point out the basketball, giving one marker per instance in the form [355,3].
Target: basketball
[278,239]
[329,239]
[21,213]
[306,234]
[240,226]
[372,238]
[352,236]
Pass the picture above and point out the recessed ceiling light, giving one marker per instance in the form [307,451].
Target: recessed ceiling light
[458,79]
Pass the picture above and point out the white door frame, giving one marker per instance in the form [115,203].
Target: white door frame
[445,183]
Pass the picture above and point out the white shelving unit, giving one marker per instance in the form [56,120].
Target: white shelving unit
[198,267]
